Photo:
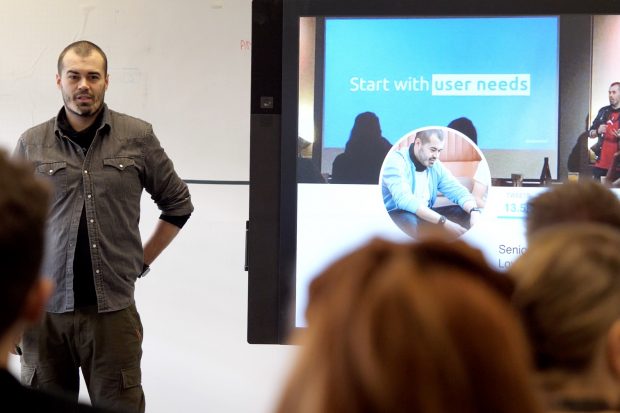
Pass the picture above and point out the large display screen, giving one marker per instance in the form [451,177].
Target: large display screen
[348,102]
[503,75]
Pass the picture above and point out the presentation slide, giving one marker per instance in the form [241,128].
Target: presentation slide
[502,73]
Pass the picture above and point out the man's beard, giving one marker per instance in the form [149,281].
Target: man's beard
[88,111]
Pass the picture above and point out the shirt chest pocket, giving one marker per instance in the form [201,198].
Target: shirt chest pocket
[56,173]
[121,176]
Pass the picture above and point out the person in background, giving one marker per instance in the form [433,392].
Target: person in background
[410,327]
[24,202]
[363,155]
[99,161]
[572,202]
[606,126]
[567,289]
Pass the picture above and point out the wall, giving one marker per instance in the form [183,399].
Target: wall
[184,66]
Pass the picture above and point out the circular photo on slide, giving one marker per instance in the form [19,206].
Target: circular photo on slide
[434,181]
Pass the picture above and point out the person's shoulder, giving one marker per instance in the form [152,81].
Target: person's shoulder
[401,153]
[399,156]
[119,119]
[129,128]
[38,133]
[385,143]
[340,159]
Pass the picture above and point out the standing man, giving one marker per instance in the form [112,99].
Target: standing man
[411,179]
[606,127]
[98,161]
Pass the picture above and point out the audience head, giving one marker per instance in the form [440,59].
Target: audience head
[583,201]
[23,210]
[466,127]
[410,327]
[366,129]
[568,293]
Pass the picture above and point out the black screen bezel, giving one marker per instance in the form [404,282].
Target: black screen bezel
[273,134]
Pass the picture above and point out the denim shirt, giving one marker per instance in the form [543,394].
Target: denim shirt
[124,158]
[398,183]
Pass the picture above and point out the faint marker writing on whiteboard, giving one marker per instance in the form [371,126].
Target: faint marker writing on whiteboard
[245,45]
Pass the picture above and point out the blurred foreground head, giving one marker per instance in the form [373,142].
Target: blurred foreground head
[417,327]
[23,211]
[568,292]
[583,201]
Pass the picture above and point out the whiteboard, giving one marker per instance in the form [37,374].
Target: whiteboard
[183,65]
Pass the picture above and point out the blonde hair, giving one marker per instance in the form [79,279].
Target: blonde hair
[409,327]
[568,293]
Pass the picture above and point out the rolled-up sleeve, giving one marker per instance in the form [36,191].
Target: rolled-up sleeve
[161,181]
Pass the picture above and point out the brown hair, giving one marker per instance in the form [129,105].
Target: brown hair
[409,327]
[83,48]
[584,201]
[568,292]
[23,210]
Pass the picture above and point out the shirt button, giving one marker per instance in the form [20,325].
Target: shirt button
[85,171]
[94,245]
[96,271]
[89,195]
[120,166]
[51,171]
[92,220]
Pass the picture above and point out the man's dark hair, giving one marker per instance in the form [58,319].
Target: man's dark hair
[23,211]
[584,201]
[614,84]
[83,48]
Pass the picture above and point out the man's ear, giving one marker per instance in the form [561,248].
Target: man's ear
[36,299]
[417,143]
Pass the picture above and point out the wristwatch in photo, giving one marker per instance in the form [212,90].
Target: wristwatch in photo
[442,220]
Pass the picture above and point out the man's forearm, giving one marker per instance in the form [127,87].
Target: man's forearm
[162,236]
[467,206]
[427,214]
